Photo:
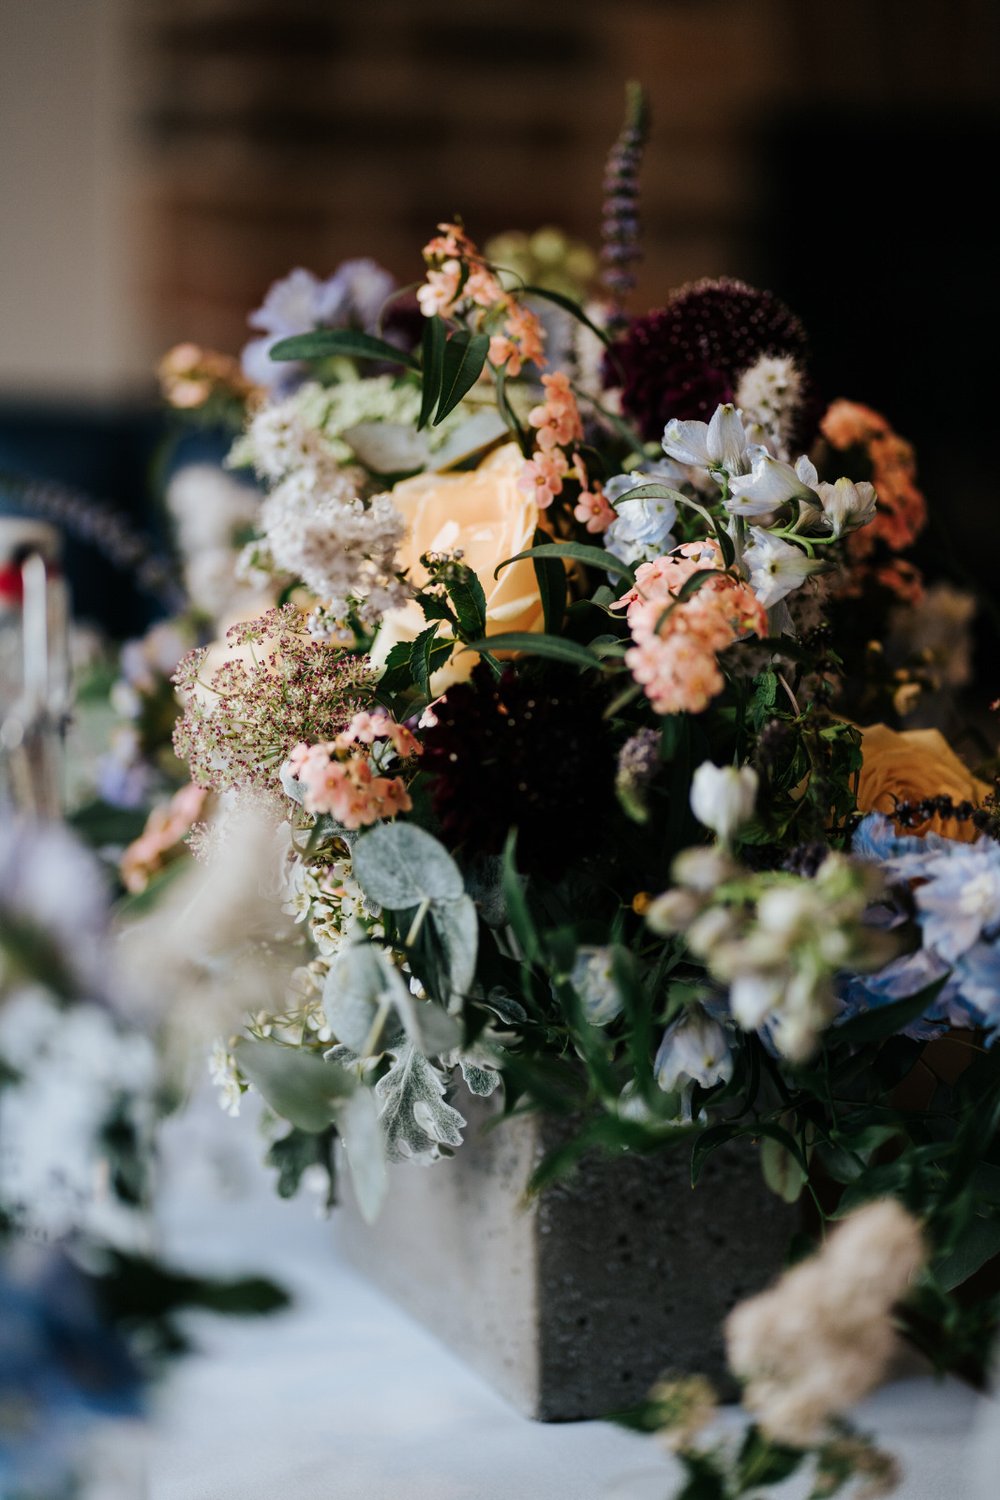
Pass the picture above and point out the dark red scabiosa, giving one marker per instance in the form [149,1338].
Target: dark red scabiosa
[530,751]
[682,360]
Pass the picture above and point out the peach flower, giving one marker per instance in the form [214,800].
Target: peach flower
[486,515]
[910,766]
[166,827]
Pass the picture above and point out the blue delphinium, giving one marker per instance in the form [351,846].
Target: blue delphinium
[955,891]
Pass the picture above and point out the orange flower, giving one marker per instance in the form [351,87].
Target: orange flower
[910,766]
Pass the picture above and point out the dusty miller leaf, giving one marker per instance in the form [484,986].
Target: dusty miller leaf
[414,1116]
[479,1080]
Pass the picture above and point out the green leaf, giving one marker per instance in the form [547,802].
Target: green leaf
[886,1020]
[979,1243]
[323,343]
[101,822]
[593,557]
[518,913]
[568,305]
[464,358]
[469,600]
[396,675]
[361,995]
[415,1118]
[554,647]
[292,1154]
[550,574]
[399,866]
[422,657]
[432,363]
[299,1086]
[710,1140]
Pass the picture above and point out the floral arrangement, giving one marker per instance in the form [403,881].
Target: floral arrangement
[590,790]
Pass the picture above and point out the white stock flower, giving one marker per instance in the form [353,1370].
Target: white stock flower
[718,444]
[847,506]
[722,797]
[771,484]
[776,567]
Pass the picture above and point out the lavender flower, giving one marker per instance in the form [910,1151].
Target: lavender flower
[352,297]
[620,251]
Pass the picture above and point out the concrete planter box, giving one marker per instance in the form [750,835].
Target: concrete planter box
[572,1307]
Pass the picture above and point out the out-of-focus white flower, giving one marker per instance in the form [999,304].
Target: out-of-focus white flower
[719,444]
[723,797]
[593,979]
[822,1337]
[776,567]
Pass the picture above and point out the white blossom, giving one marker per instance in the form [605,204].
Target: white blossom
[722,797]
[772,483]
[694,1049]
[776,567]
[721,443]
[847,506]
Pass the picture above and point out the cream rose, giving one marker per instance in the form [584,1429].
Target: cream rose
[910,766]
[484,513]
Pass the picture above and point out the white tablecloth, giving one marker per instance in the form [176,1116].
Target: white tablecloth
[344,1398]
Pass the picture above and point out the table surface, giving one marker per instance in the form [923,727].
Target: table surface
[343,1397]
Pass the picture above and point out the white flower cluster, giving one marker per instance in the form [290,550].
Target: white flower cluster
[316,525]
[775,939]
[769,393]
[210,510]
[822,1338]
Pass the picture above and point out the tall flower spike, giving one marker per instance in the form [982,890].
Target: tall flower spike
[620,250]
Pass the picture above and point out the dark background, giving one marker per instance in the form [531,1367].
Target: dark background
[842,154]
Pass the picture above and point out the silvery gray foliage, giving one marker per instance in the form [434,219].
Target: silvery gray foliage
[479,1079]
[291,785]
[402,867]
[365,1150]
[415,1118]
[484,883]
[366,1001]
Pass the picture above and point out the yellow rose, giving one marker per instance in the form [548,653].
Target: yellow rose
[910,766]
[484,513]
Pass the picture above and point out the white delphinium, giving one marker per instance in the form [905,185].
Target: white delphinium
[769,393]
[847,506]
[721,444]
[723,798]
[772,483]
[823,1336]
[776,568]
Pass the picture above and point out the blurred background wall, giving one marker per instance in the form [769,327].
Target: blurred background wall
[161,161]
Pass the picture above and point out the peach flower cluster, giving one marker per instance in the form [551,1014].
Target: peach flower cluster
[166,828]
[341,779]
[460,281]
[559,433]
[677,640]
[902,510]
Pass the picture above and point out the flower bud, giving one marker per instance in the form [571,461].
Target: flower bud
[723,797]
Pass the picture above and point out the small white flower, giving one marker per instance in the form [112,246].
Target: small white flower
[594,982]
[847,506]
[722,797]
[703,868]
[753,997]
[694,1049]
[776,567]
[771,484]
[718,444]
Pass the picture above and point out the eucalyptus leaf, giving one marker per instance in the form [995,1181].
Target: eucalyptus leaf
[414,1115]
[387,447]
[457,926]
[479,431]
[399,866]
[365,1150]
[299,1086]
[429,1028]
[361,997]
